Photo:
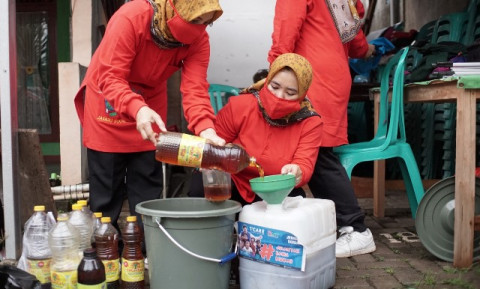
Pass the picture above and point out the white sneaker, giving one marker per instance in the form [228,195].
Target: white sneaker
[351,243]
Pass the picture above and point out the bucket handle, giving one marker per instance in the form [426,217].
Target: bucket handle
[223,260]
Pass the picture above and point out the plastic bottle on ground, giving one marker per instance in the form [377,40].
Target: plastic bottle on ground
[193,151]
[91,271]
[106,241]
[133,266]
[38,254]
[96,223]
[64,242]
[84,225]
[85,207]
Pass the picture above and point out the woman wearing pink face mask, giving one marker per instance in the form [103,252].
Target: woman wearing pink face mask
[276,123]
[122,102]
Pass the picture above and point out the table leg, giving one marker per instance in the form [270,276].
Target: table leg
[464,179]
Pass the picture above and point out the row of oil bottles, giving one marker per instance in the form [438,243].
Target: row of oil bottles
[80,250]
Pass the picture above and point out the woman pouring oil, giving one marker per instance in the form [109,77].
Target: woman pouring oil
[275,122]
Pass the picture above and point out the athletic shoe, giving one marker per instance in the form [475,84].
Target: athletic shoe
[351,243]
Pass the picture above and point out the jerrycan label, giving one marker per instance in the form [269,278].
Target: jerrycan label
[270,246]
[190,152]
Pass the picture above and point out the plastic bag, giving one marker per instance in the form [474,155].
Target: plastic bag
[12,277]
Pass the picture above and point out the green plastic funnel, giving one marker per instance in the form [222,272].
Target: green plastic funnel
[273,189]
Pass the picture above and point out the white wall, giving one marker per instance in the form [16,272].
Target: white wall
[240,40]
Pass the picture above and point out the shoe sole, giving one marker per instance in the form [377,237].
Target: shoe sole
[358,252]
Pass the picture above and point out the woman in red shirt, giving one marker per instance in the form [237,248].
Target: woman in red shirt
[122,102]
[276,124]
[326,32]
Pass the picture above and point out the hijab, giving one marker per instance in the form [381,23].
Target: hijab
[188,10]
[304,73]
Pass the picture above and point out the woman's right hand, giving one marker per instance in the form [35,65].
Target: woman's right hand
[145,117]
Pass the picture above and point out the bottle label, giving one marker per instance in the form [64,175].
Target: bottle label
[133,270]
[64,279]
[39,268]
[112,270]
[190,152]
[102,285]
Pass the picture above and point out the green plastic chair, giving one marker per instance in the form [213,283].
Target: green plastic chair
[219,94]
[390,140]
[451,27]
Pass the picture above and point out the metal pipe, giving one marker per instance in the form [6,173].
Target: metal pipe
[71,196]
[70,189]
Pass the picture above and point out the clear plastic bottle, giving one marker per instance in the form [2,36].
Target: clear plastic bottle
[133,263]
[38,253]
[83,223]
[106,241]
[96,223]
[91,271]
[64,241]
[85,207]
[193,151]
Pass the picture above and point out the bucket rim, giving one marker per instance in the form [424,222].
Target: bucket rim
[233,208]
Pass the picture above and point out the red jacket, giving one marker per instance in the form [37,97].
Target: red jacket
[241,122]
[307,28]
[128,70]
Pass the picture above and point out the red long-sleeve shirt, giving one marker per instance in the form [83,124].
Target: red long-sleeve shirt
[130,71]
[240,121]
[307,28]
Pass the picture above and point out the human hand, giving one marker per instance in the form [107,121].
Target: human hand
[293,169]
[212,136]
[145,117]
[371,51]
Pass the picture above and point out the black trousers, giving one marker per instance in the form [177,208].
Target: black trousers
[116,176]
[330,181]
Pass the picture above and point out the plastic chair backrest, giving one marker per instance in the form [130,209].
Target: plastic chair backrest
[219,94]
[473,28]
[426,32]
[391,123]
[451,27]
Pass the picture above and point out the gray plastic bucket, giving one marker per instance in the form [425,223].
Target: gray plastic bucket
[189,242]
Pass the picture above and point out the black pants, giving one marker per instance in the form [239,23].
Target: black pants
[116,176]
[196,190]
[330,181]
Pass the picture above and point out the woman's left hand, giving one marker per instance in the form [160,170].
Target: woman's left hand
[293,169]
[211,135]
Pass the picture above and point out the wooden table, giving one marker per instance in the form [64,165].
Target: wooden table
[446,91]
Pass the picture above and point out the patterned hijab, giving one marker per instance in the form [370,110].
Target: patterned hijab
[303,70]
[187,9]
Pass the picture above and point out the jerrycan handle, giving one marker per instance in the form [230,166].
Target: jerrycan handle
[223,260]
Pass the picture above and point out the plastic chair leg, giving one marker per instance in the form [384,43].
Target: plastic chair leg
[412,180]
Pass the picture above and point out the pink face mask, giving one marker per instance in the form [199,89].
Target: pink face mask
[184,31]
[275,107]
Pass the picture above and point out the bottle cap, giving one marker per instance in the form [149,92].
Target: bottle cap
[98,214]
[76,207]
[131,218]
[39,208]
[106,220]
[62,217]
[90,252]
[82,202]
